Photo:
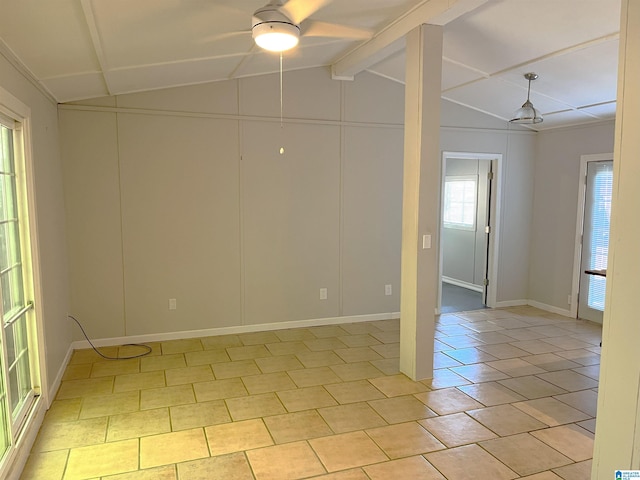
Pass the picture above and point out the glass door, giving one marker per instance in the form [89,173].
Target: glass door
[16,386]
[595,240]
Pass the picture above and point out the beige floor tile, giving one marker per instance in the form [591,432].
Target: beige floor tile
[114,404]
[352,392]
[321,358]
[254,406]
[324,344]
[570,440]
[503,351]
[460,341]
[138,424]
[414,468]
[181,346]
[85,387]
[232,467]
[285,462]
[355,474]
[589,425]
[506,420]
[576,471]
[544,476]
[311,377]
[248,352]
[354,416]
[237,437]
[550,362]
[582,356]
[567,342]
[442,360]
[468,356]
[167,472]
[592,371]
[88,355]
[281,363]
[292,427]
[491,393]
[388,366]
[306,399]
[287,348]
[396,385]
[551,411]
[360,328]
[58,436]
[294,335]
[525,454]
[219,389]
[166,397]
[586,401]
[401,409]
[516,367]
[205,357]
[457,429]
[235,369]
[110,368]
[445,378]
[163,362]
[532,387]
[387,336]
[404,439]
[357,354]
[258,338]
[361,340]
[184,375]
[349,450]
[64,411]
[102,460]
[569,380]
[448,400]
[46,465]
[185,417]
[139,349]
[326,331]
[479,373]
[220,342]
[536,346]
[469,462]
[139,381]
[173,447]
[356,371]
[492,338]
[77,372]
[268,382]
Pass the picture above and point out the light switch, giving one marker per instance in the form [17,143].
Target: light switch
[426,241]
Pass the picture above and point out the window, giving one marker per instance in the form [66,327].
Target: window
[460,197]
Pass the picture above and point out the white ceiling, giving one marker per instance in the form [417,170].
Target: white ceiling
[78,49]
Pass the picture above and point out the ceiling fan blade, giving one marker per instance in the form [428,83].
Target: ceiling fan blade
[312,28]
[300,10]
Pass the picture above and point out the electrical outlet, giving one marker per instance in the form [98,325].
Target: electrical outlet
[388,290]
[323,294]
[172,304]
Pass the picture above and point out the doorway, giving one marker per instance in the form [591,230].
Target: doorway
[592,234]
[467,231]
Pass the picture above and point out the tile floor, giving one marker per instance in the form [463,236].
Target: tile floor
[513,396]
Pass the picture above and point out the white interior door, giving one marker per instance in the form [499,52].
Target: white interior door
[595,239]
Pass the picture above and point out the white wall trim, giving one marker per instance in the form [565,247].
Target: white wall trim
[26,440]
[550,308]
[261,327]
[14,60]
[462,283]
[57,381]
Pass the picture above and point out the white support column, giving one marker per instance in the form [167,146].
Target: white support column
[617,445]
[421,201]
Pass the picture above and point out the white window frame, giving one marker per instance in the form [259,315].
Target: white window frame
[460,225]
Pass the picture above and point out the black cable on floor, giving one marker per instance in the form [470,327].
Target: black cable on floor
[149,349]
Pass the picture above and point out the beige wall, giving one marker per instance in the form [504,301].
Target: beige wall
[182,193]
[50,218]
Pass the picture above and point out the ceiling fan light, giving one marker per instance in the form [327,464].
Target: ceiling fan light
[276,36]
[527,114]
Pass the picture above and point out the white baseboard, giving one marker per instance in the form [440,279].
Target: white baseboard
[159,337]
[53,388]
[550,308]
[20,451]
[511,303]
[463,284]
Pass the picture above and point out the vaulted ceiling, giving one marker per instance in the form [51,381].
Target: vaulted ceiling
[78,49]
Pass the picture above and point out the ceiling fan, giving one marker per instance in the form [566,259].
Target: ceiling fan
[279,25]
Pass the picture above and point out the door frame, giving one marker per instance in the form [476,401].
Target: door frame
[577,254]
[495,209]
